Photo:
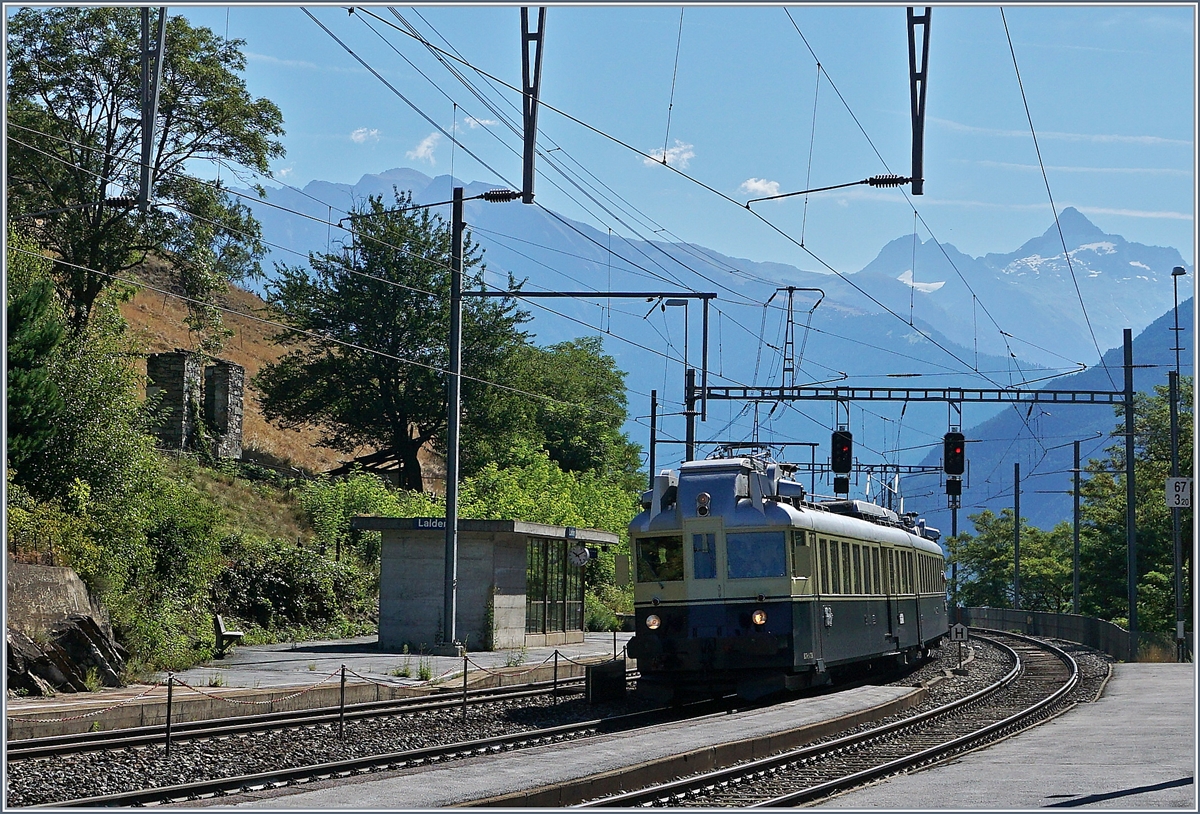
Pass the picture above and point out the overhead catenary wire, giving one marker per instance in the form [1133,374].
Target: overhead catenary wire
[1053,208]
[318,335]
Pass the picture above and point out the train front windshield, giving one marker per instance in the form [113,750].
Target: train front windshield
[660,559]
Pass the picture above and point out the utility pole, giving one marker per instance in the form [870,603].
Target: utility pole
[454,400]
[1180,619]
[1017,536]
[653,433]
[917,76]
[151,80]
[531,79]
[1130,497]
[1074,594]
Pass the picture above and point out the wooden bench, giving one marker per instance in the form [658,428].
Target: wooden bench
[224,637]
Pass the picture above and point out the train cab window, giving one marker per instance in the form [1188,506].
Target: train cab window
[704,556]
[858,570]
[875,569]
[801,555]
[752,554]
[660,559]
[824,566]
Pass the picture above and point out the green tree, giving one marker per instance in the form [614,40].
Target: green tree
[579,423]
[73,119]
[387,292]
[986,564]
[1103,547]
[35,330]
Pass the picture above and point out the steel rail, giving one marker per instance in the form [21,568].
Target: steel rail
[936,754]
[385,762]
[54,745]
[676,790]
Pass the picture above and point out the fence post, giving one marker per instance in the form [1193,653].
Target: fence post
[555,693]
[342,707]
[170,688]
[464,708]
[614,645]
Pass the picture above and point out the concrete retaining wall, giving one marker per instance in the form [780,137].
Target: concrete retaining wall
[39,596]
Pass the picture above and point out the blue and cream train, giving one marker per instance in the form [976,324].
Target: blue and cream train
[743,585]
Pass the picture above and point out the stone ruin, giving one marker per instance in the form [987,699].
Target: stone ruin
[195,396]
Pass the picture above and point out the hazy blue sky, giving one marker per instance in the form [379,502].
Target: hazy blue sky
[1111,91]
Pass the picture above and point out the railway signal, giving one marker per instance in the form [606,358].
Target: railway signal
[954,453]
[843,452]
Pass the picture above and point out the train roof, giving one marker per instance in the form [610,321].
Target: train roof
[745,492]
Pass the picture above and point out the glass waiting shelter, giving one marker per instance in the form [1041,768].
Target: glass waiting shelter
[553,587]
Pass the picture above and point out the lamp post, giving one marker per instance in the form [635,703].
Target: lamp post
[1180,644]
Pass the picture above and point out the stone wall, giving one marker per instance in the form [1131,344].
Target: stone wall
[224,388]
[193,391]
[177,375]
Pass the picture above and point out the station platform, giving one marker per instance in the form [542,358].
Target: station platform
[250,675]
[1135,747]
[675,749]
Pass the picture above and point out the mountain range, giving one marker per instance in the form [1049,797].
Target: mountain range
[1002,319]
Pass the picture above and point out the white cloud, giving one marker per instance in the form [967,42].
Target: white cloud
[1124,170]
[473,122]
[285,172]
[363,135]
[760,186]
[424,150]
[1096,138]
[677,156]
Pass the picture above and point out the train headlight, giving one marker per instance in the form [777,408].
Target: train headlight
[652,621]
[759,617]
[702,503]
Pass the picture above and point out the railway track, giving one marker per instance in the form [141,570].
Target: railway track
[1035,689]
[378,763]
[59,745]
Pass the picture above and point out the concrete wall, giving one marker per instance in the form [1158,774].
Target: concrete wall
[491,581]
[412,581]
[41,595]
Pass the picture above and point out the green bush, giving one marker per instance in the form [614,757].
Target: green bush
[330,503]
[276,587]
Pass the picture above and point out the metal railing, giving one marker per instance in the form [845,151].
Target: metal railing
[1152,646]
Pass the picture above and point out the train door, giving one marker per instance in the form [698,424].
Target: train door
[889,582]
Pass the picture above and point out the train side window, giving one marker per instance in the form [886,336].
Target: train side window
[875,569]
[704,556]
[858,569]
[660,559]
[756,554]
[908,572]
[847,570]
[824,566]
[835,568]
[868,586]
[801,555]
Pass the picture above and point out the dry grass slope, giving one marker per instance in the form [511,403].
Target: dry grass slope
[157,320]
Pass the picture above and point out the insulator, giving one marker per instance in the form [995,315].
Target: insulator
[887,180]
[500,195]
